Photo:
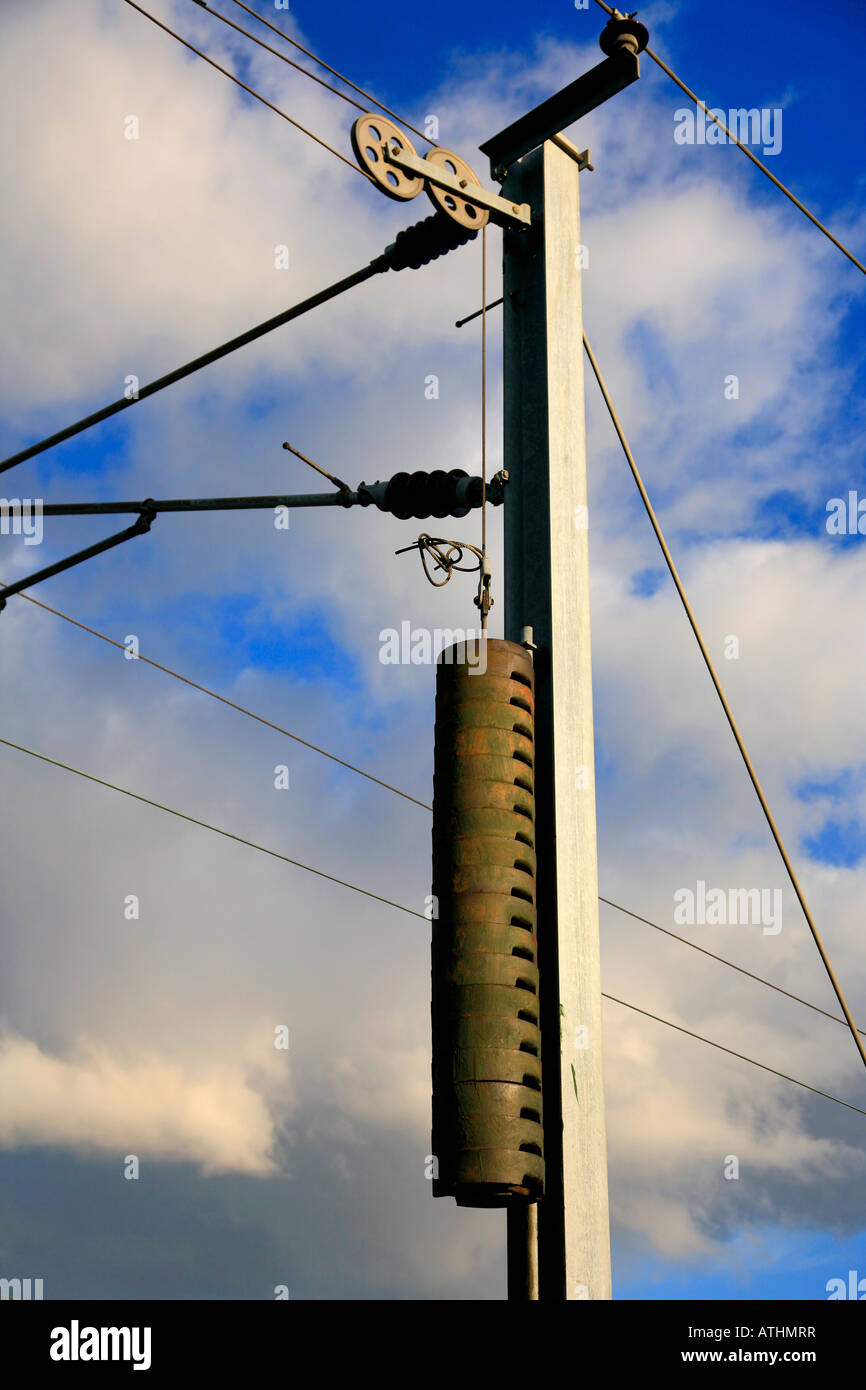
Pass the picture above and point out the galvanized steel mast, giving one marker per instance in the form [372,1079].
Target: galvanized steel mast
[547,603]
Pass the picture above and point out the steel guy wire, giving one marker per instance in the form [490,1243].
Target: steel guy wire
[858,1041]
[746,151]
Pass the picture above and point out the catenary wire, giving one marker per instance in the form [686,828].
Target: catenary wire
[746,151]
[205,825]
[342,882]
[388,902]
[230,703]
[277,54]
[375,267]
[241,709]
[731,1053]
[724,703]
[722,961]
[319,141]
[323,64]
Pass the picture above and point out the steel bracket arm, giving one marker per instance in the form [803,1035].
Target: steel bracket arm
[561,110]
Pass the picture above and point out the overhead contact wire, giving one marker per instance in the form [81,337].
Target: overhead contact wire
[229,703]
[205,825]
[277,54]
[360,90]
[731,1053]
[252,92]
[425,806]
[684,941]
[388,902]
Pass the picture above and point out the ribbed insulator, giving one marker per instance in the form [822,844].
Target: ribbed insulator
[425,494]
[426,241]
[487,1117]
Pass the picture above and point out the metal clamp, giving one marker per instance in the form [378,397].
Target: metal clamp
[580,157]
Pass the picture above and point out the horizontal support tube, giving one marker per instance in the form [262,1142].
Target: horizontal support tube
[202,504]
[470,496]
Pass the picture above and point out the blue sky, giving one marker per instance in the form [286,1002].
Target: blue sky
[134,257]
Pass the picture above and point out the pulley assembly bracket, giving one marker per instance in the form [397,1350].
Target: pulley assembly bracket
[389,159]
[503,212]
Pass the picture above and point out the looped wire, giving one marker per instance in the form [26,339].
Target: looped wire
[446,554]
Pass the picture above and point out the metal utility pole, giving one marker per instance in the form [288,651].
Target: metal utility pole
[547,592]
[547,589]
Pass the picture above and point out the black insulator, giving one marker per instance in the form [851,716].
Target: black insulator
[426,241]
[442,492]
[396,496]
[419,495]
[422,495]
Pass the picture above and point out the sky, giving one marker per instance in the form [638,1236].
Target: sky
[153,1036]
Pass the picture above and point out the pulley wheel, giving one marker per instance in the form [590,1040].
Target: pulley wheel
[467,214]
[369,134]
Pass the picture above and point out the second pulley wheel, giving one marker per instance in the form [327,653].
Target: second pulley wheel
[369,134]
[467,214]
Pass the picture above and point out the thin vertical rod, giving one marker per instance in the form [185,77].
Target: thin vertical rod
[523,1253]
[483,416]
[484,390]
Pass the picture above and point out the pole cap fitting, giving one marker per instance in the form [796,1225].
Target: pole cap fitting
[626,33]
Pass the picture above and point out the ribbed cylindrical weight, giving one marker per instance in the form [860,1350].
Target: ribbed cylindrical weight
[487,1117]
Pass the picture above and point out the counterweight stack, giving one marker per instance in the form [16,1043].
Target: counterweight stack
[487,1117]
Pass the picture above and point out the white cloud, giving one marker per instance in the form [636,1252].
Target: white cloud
[93,1103]
[132,256]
